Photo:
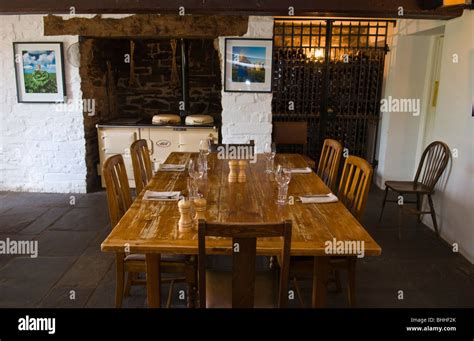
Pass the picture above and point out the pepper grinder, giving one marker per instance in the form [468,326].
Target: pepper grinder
[242,171]
[186,220]
[200,208]
[233,166]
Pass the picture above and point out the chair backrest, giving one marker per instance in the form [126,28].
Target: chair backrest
[141,164]
[119,198]
[354,185]
[249,147]
[244,236]
[328,166]
[432,164]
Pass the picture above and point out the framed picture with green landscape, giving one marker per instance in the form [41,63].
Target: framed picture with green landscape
[39,70]
[248,65]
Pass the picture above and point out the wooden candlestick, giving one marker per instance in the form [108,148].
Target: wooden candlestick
[186,220]
[242,171]
[233,166]
[200,207]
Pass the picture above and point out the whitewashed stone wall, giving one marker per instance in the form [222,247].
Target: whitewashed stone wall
[247,116]
[41,149]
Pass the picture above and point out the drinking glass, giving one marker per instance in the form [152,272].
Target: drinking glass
[283,178]
[192,189]
[196,172]
[270,152]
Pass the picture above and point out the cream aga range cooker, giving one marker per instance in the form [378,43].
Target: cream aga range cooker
[165,134]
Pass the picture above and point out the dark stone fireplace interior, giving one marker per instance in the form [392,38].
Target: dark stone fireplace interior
[140,84]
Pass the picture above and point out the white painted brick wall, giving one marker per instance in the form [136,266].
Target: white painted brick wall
[41,149]
[247,116]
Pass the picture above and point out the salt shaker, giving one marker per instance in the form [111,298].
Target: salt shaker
[242,171]
[185,221]
[200,208]
[233,166]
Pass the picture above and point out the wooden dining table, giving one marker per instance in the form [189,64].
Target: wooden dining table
[151,227]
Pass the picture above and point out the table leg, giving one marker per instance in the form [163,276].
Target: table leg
[153,280]
[320,275]
[191,280]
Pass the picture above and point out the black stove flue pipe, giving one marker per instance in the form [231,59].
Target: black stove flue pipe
[184,80]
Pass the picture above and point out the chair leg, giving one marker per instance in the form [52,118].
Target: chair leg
[191,282]
[383,203]
[433,214]
[400,221]
[128,284]
[119,279]
[337,280]
[298,291]
[170,294]
[419,205]
[351,280]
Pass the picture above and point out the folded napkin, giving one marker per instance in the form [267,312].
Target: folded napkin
[318,198]
[300,170]
[171,167]
[162,196]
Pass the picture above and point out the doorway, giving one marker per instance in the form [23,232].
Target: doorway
[428,131]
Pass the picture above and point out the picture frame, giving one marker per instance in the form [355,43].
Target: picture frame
[39,71]
[248,65]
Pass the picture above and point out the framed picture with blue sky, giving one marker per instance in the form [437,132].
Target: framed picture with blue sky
[248,65]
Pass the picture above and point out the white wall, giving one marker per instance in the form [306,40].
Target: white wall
[247,116]
[41,149]
[399,131]
[408,76]
[454,125]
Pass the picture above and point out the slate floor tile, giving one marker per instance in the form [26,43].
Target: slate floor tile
[25,281]
[64,243]
[82,219]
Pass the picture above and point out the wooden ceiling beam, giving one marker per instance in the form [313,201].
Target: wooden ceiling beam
[148,26]
[345,8]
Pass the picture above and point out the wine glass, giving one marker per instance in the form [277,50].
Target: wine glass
[202,162]
[210,142]
[195,169]
[204,147]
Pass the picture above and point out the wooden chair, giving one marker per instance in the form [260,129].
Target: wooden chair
[293,133]
[355,184]
[119,200]
[432,165]
[247,288]
[141,163]
[328,166]
[353,193]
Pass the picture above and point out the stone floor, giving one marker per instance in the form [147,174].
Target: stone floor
[71,271]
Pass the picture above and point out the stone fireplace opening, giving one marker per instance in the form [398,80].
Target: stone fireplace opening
[130,67]
[138,78]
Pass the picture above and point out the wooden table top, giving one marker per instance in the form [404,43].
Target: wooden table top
[152,226]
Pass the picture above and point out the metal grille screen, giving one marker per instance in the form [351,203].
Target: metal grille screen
[329,73]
